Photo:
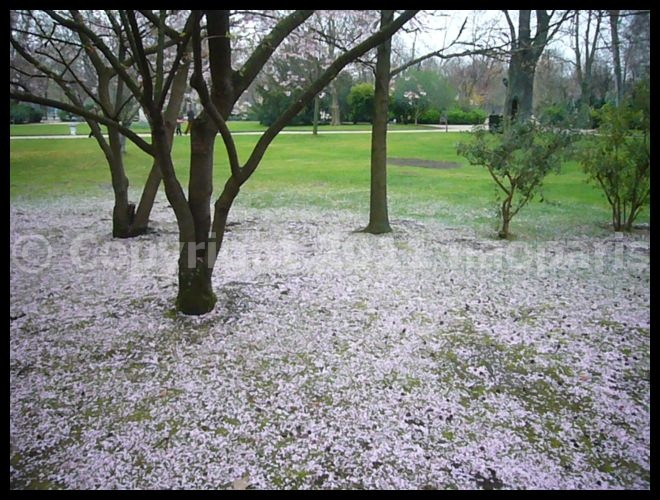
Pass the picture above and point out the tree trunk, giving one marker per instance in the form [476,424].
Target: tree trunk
[200,186]
[317,106]
[378,216]
[179,85]
[525,53]
[614,29]
[504,232]
[335,109]
[141,222]
[196,294]
[123,211]
[506,217]
[616,216]
[520,88]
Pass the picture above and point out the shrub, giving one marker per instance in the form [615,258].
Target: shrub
[518,160]
[430,116]
[458,116]
[361,102]
[618,159]
[554,115]
[24,113]
[276,102]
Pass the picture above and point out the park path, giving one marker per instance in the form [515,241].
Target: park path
[434,129]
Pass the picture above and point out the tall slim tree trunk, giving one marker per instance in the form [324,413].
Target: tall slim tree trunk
[317,108]
[335,109]
[378,216]
[616,56]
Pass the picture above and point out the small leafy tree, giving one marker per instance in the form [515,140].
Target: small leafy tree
[618,158]
[518,160]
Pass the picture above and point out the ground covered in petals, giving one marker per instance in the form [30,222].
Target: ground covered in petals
[431,357]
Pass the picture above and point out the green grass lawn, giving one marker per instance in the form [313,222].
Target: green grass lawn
[330,171]
[61,129]
[235,126]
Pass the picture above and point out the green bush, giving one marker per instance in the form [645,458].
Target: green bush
[618,159]
[458,116]
[361,102]
[517,160]
[24,113]
[554,115]
[276,102]
[430,116]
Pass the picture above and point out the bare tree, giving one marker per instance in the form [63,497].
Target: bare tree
[525,51]
[87,54]
[585,48]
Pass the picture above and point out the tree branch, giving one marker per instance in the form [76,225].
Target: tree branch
[27,97]
[265,49]
[439,54]
[318,85]
[512,29]
[79,27]
[198,83]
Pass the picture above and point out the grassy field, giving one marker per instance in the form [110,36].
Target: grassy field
[331,171]
[236,126]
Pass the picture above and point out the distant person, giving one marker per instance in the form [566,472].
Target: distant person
[178,126]
[191,117]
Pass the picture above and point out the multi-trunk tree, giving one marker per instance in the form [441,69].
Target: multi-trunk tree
[201,231]
[83,52]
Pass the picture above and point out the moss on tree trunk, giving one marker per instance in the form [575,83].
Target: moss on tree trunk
[195,290]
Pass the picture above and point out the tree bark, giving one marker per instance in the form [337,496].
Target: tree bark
[378,214]
[506,217]
[141,221]
[200,186]
[520,89]
[616,56]
[525,53]
[315,122]
[195,294]
[335,109]
[123,211]
[179,85]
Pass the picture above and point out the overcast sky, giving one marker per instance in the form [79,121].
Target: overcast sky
[442,27]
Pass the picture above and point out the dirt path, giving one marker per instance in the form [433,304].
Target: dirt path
[416,162]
